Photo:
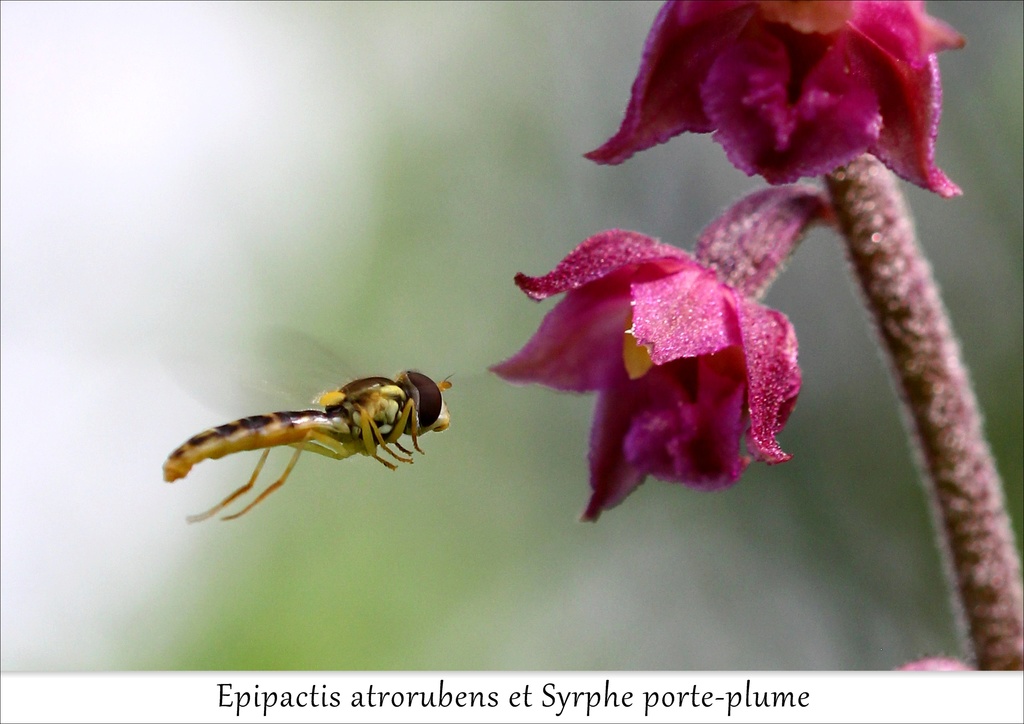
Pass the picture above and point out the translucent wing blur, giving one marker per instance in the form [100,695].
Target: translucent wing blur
[277,368]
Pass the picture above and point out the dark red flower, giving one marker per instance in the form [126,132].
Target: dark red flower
[684,365]
[793,89]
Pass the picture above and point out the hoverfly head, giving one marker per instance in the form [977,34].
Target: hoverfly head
[431,409]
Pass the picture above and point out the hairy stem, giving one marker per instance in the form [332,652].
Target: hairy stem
[940,409]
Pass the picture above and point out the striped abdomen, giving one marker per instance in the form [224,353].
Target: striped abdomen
[249,433]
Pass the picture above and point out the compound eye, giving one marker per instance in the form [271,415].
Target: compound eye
[427,396]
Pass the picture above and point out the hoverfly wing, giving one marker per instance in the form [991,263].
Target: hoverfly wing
[301,363]
[235,374]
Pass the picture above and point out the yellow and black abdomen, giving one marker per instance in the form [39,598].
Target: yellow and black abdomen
[249,433]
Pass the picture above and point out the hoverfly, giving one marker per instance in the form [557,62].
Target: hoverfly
[364,415]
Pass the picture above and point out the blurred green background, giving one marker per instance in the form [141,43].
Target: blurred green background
[179,180]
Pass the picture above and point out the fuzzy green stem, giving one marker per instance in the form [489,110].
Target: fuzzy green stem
[941,410]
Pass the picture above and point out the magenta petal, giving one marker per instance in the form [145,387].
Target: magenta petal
[665,100]
[892,49]
[599,256]
[911,104]
[686,314]
[749,242]
[904,30]
[578,346]
[773,376]
[612,477]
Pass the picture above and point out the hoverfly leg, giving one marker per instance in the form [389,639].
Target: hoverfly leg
[327,446]
[228,500]
[385,463]
[408,414]
[372,438]
[415,434]
[402,447]
[383,443]
[392,453]
[370,441]
[274,486]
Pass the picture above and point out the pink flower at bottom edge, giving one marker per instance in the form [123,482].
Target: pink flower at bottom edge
[684,365]
[936,663]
